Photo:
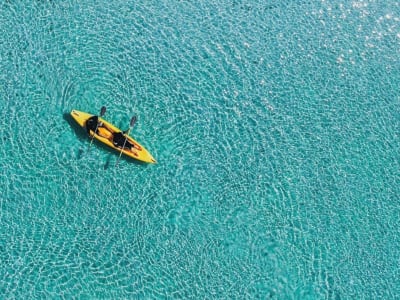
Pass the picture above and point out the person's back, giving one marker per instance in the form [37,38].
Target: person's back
[119,140]
[92,124]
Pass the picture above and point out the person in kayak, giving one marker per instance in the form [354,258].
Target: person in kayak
[117,138]
[93,124]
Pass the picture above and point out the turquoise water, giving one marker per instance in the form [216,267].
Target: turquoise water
[276,129]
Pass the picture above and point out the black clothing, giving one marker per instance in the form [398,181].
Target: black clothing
[92,124]
[119,140]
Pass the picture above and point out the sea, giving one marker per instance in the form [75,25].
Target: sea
[275,125]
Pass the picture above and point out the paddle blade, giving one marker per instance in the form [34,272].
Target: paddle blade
[102,111]
[133,121]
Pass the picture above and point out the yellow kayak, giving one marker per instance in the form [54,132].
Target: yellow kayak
[107,133]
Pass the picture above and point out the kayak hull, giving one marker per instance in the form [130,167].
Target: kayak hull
[105,136]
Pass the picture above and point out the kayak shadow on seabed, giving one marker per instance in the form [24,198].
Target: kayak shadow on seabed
[83,136]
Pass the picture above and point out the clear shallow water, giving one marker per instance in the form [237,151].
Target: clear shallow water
[275,127]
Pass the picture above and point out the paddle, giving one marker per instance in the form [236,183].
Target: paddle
[133,121]
[102,112]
